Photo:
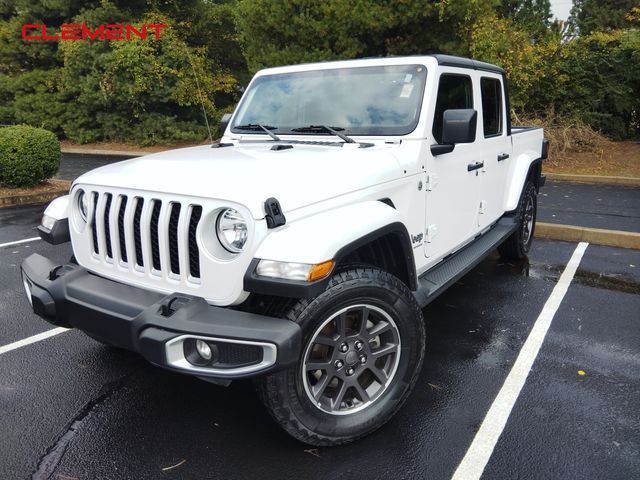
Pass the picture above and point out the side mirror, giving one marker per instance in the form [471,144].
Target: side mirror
[224,122]
[458,126]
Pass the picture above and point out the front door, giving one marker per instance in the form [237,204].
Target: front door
[453,190]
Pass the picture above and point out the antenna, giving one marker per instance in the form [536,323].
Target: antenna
[204,111]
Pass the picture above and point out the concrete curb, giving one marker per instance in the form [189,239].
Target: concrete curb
[598,236]
[32,198]
[115,153]
[568,177]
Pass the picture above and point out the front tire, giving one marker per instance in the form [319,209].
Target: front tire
[363,346]
[517,246]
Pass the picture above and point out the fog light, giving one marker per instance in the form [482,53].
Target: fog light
[204,350]
[199,352]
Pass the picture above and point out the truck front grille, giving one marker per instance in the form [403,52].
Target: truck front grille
[149,232]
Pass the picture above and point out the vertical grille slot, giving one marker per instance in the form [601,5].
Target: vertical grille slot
[194,253]
[107,229]
[136,231]
[94,232]
[121,237]
[155,237]
[173,238]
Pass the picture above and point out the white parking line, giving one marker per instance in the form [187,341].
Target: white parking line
[480,450]
[26,240]
[29,340]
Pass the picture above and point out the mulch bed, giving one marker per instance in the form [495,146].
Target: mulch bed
[618,159]
[44,187]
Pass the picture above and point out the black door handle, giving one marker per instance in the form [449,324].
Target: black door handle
[503,156]
[474,166]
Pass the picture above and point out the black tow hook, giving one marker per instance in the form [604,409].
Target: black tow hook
[172,305]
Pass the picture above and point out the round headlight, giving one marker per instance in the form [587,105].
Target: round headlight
[83,205]
[232,230]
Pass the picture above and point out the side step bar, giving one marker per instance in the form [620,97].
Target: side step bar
[436,280]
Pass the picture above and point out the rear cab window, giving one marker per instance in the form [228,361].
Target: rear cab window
[455,91]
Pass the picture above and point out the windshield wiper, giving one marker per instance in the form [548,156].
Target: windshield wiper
[257,127]
[324,128]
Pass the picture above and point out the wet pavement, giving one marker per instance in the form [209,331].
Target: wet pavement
[612,207]
[72,408]
[568,425]
[18,223]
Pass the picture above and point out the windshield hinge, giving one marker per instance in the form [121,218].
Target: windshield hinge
[273,213]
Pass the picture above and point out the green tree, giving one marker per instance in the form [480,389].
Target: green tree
[533,16]
[498,40]
[604,68]
[142,90]
[277,33]
[589,16]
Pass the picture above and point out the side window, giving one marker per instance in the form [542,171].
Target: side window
[491,91]
[454,92]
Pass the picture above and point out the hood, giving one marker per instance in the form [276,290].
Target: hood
[249,174]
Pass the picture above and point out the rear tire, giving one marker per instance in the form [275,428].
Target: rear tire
[517,246]
[363,347]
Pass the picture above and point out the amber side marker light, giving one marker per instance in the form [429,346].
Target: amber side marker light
[320,270]
[301,272]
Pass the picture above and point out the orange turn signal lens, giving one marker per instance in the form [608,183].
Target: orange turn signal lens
[320,270]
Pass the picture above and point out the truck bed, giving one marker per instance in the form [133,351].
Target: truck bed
[527,140]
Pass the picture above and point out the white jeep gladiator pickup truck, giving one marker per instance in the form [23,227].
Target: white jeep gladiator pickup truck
[342,198]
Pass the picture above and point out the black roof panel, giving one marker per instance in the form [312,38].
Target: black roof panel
[462,62]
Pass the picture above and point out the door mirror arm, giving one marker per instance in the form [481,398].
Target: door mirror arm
[440,149]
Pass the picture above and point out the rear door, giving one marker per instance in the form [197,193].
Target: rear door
[452,195]
[496,148]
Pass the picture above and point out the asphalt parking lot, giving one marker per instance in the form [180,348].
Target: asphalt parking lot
[75,164]
[72,408]
[612,207]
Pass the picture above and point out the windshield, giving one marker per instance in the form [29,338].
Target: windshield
[380,100]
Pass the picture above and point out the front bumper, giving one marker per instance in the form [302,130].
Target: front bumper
[162,328]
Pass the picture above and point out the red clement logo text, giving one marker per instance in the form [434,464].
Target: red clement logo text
[77,31]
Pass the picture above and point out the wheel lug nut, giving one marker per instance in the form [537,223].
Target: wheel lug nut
[344,347]
[359,344]
[363,359]
[339,364]
[350,371]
